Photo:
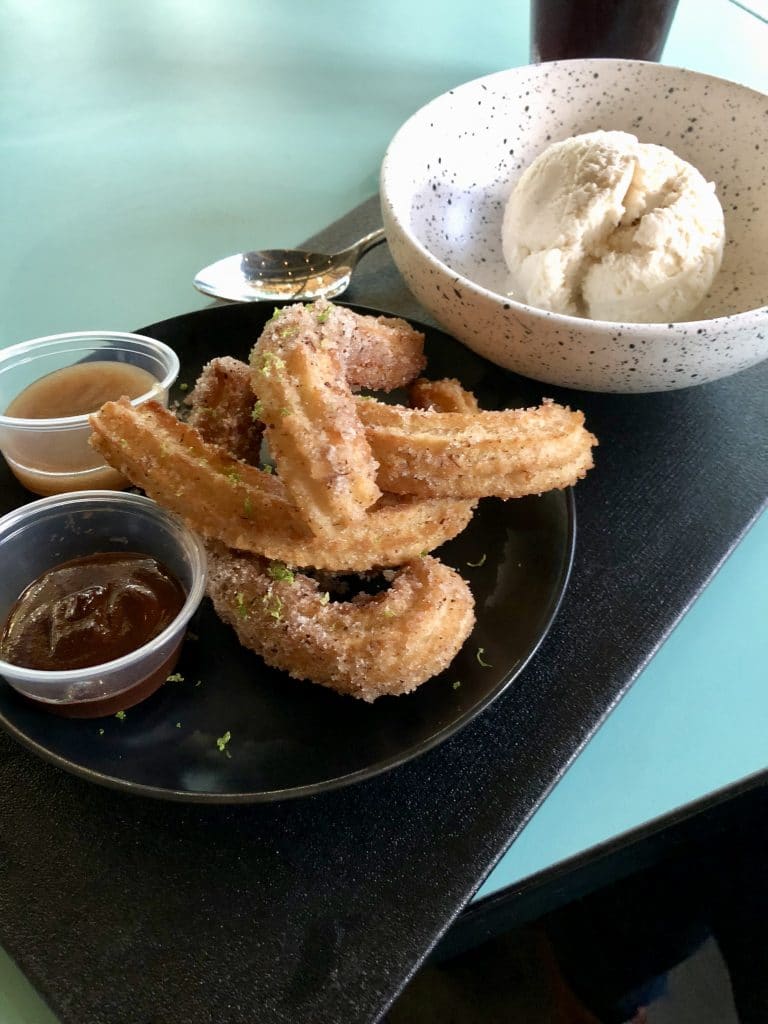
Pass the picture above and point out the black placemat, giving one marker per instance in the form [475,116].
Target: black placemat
[126,911]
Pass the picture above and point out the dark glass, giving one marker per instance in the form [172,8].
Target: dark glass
[633,29]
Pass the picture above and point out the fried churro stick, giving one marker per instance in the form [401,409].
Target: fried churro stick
[366,647]
[509,454]
[247,508]
[445,395]
[222,403]
[312,427]
[379,352]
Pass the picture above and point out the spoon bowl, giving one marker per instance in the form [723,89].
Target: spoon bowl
[280,274]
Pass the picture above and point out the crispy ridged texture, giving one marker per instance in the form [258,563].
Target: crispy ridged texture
[222,404]
[312,427]
[366,647]
[247,508]
[380,353]
[507,454]
[510,454]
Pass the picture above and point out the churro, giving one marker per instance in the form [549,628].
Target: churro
[221,404]
[380,353]
[506,454]
[247,508]
[313,431]
[370,646]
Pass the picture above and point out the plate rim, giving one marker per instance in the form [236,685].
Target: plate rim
[200,797]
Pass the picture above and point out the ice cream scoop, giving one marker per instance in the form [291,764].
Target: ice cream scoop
[607,227]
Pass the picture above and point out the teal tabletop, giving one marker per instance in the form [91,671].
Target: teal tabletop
[142,140]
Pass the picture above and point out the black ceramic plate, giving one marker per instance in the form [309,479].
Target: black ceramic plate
[289,738]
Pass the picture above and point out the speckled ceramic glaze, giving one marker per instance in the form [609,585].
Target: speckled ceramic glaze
[449,170]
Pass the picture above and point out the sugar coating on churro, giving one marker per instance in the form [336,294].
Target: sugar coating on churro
[221,405]
[380,353]
[507,454]
[312,427]
[249,509]
[366,647]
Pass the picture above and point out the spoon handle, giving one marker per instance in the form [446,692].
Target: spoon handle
[354,252]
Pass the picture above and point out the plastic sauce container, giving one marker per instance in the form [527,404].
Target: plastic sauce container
[53,456]
[45,533]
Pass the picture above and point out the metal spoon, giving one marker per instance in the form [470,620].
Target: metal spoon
[284,273]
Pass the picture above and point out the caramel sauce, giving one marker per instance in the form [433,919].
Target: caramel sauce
[62,460]
[102,478]
[80,389]
[90,610]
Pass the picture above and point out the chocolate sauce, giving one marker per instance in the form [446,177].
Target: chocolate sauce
[89,611]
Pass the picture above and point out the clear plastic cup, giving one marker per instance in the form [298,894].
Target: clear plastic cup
[52,456]
[45,533]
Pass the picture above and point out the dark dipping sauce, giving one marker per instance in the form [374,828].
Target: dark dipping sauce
[89,611]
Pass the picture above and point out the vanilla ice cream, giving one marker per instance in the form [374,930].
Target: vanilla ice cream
[604,226]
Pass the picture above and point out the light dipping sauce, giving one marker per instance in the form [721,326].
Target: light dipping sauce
[56,458]
[89,611]
[80,389]
[100,478]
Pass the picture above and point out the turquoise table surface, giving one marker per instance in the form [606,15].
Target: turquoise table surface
[140,141]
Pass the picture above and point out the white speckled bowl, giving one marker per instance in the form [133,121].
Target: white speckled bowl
[447,174]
